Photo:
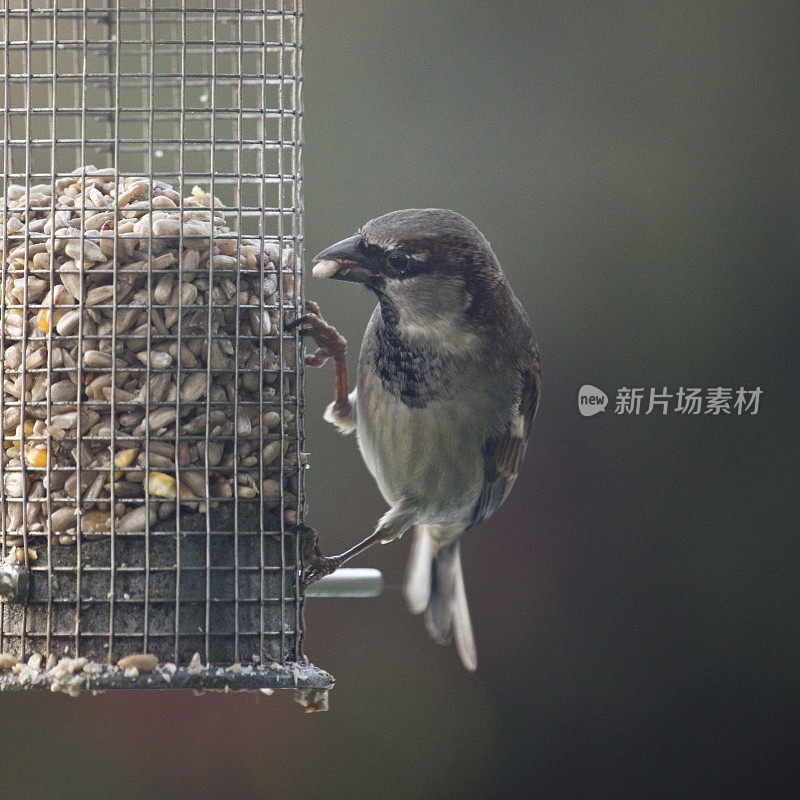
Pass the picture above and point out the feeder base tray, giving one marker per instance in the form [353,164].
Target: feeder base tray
[95,677]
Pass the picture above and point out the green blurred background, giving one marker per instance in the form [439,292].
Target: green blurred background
[635,601]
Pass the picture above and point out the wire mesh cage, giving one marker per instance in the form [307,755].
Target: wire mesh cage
[152,403]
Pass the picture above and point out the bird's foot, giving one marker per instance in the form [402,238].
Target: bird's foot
[330,343]
[318,568]
[317,565]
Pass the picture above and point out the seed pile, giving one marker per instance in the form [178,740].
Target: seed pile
[137,337]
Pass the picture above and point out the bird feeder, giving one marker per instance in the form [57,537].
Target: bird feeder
[152,402]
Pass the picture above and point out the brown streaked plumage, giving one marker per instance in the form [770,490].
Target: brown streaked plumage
[503,456]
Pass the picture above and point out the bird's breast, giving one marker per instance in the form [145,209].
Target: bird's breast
[426,407]
[414,375]
[429,452]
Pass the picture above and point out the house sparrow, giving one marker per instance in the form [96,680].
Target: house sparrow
[448,386]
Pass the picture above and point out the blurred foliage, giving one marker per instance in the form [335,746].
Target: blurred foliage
[635,601]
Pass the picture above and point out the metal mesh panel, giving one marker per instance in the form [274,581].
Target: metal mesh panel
[152,403]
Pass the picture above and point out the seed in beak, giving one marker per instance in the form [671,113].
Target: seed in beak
[325,269]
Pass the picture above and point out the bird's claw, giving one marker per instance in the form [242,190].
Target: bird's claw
[330,343]
[317,566]
[318,569]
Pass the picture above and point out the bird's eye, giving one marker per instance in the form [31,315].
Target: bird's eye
[398,260]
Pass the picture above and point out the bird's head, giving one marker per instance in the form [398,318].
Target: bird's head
[425,264]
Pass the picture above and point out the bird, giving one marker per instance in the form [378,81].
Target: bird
[448,385]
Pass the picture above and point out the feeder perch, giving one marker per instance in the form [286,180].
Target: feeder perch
[152,402]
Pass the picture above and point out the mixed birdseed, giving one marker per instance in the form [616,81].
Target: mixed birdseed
[142,358]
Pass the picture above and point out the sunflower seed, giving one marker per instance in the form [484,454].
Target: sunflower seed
[62,519]
[138,189]
[98,295]
[137,519]
[83,249]
[141,662]
[68,323]
[193,387]
[95,359]
[157,359]
[63,392]
[160,417]
[163,289]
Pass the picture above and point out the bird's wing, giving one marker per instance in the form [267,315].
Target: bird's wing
[503,454]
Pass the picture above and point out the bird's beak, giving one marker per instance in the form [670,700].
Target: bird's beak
[344,261]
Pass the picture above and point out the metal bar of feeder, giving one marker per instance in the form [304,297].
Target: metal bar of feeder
[355,582]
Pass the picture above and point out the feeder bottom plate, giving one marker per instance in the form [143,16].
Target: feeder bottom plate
[96,677]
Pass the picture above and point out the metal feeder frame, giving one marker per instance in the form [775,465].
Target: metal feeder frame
[204,92]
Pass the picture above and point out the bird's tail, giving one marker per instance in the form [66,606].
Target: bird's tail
[435,586]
